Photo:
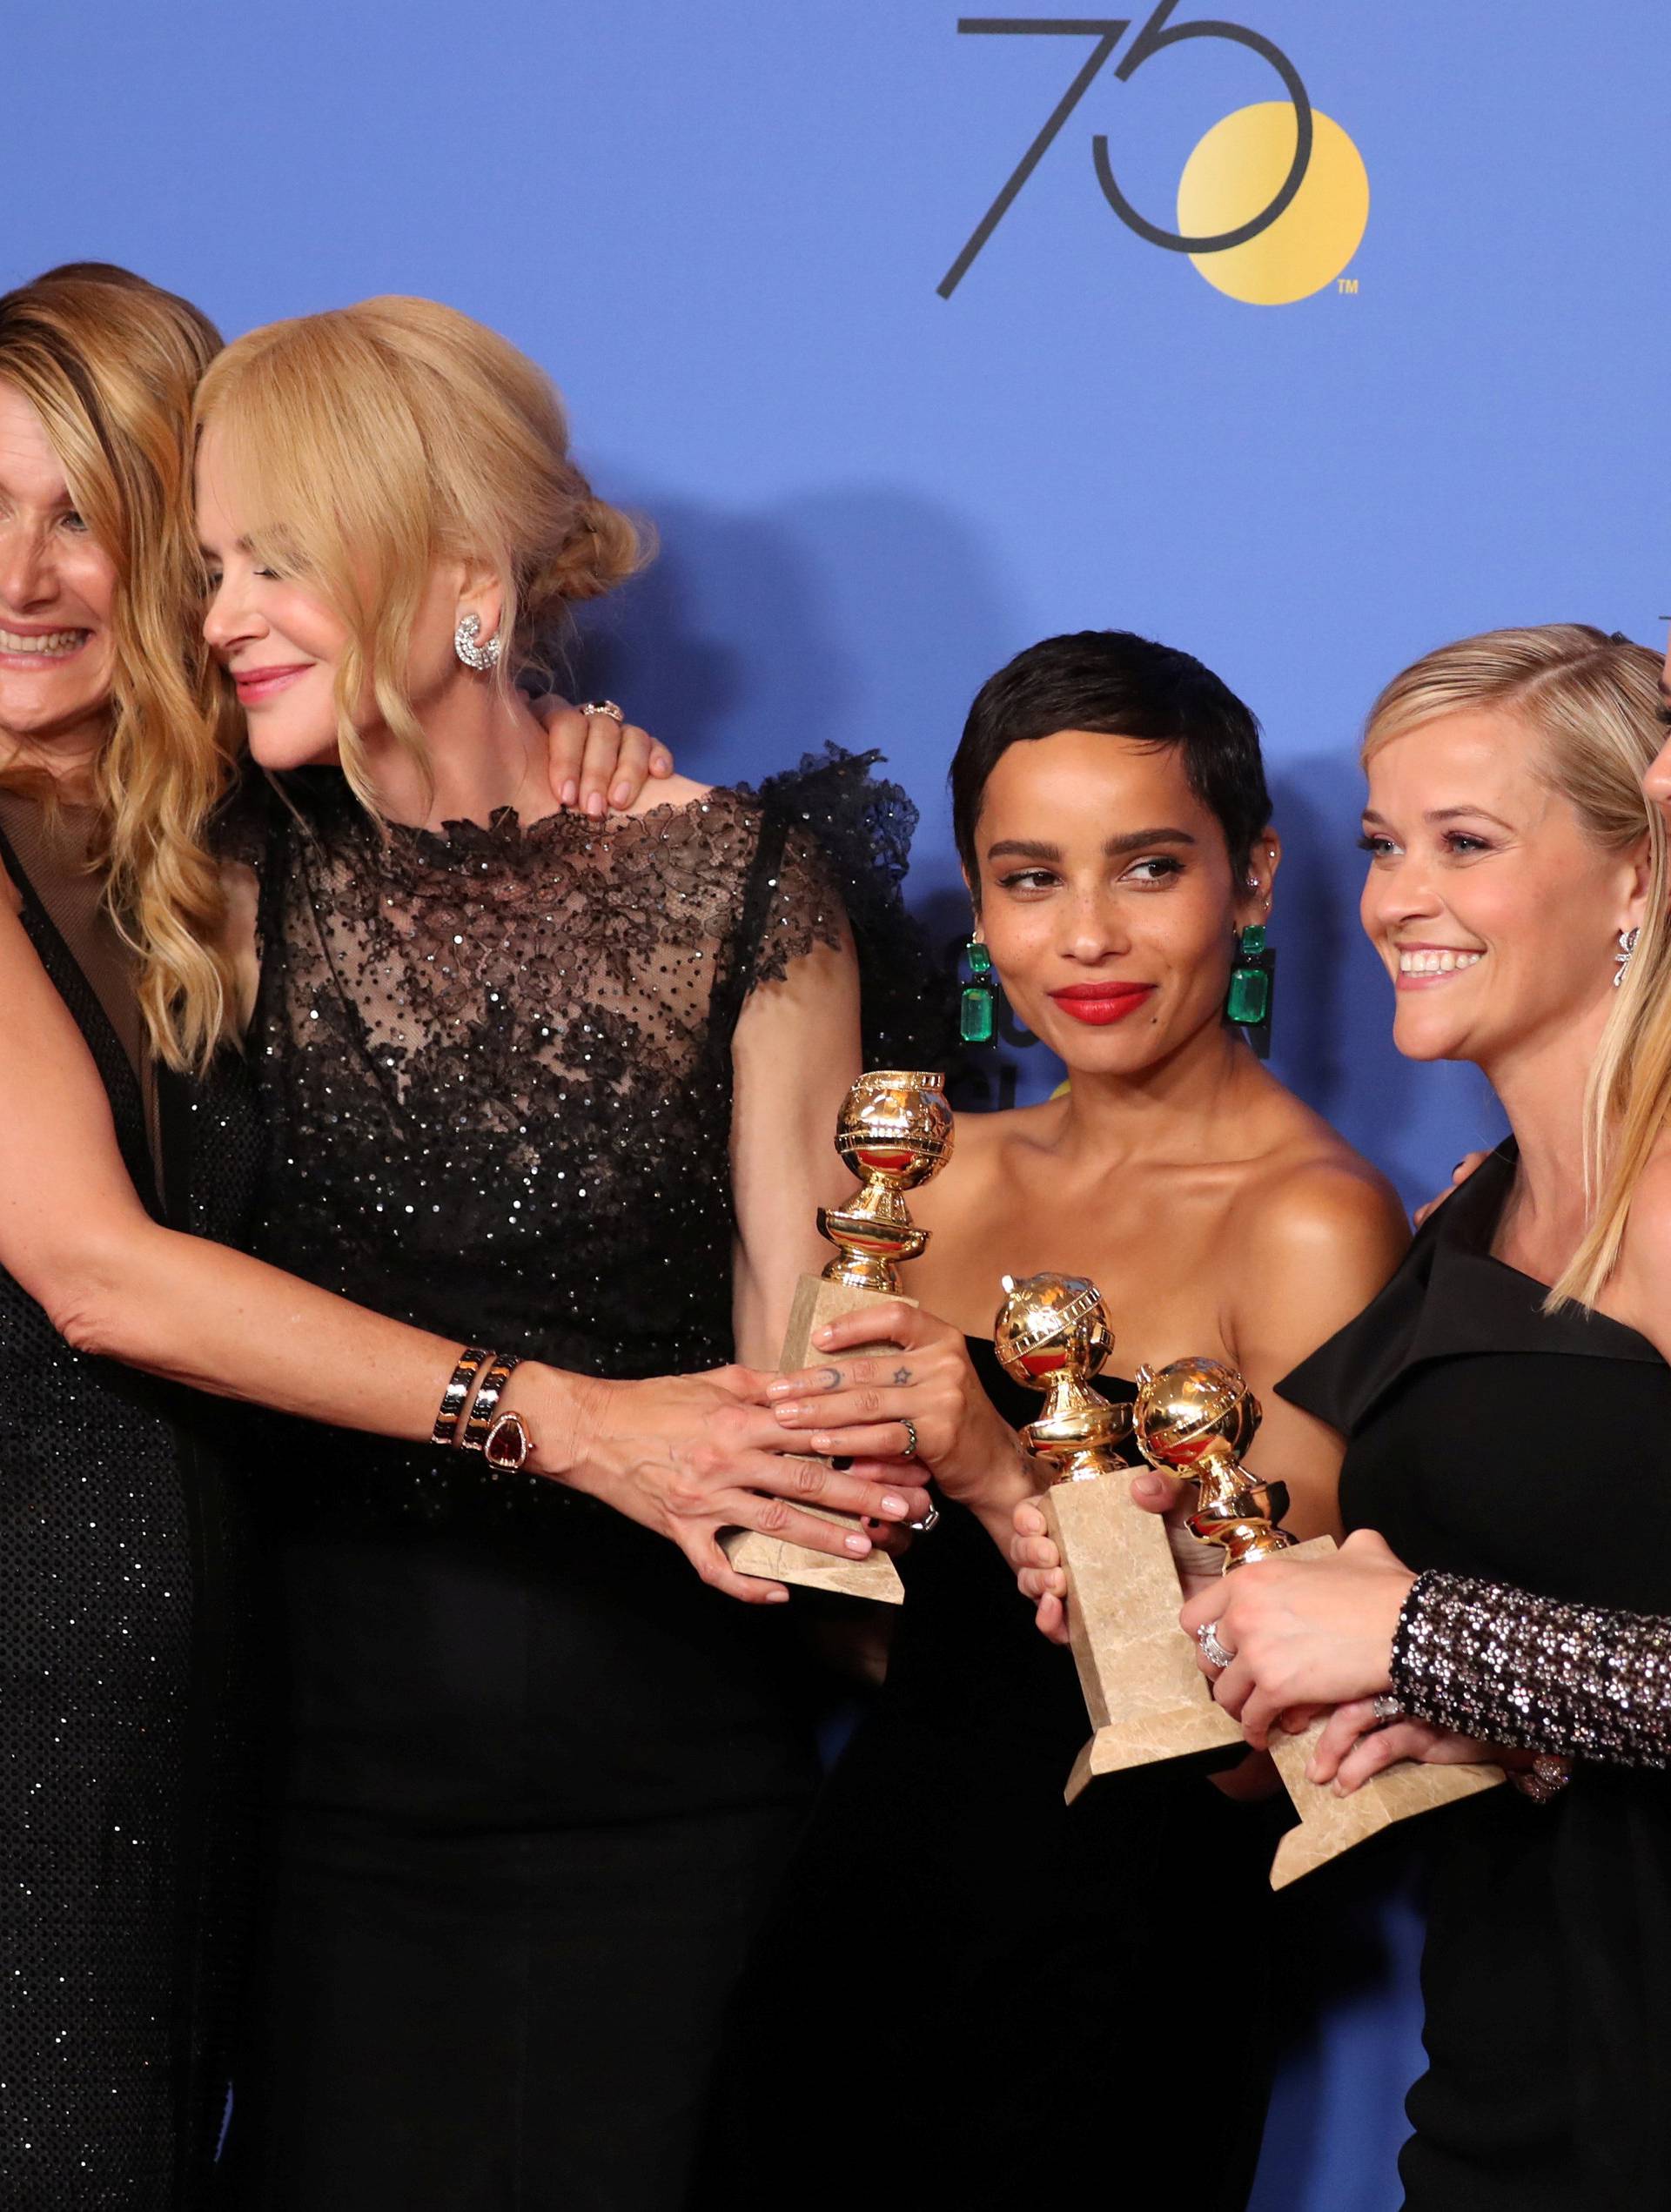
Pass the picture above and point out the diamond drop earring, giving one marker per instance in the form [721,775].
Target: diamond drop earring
[1622,959]
[464,643]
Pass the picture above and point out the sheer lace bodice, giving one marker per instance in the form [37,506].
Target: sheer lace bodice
[500,1057]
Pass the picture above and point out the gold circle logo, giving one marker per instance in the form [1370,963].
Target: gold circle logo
[1237,168]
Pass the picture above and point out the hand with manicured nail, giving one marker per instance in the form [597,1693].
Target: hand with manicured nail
[594,762]
[869,1407]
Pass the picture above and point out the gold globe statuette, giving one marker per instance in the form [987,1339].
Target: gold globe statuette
[896,1132]
[1052,1334]
[1194,1419]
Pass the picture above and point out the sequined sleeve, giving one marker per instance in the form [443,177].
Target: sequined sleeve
[1508,1667]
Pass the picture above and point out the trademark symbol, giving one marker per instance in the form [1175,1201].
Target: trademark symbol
[1346,283]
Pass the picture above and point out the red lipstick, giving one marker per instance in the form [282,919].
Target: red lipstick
[1099,1004]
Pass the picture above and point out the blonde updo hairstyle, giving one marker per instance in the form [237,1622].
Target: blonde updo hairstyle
[372,442]
[1591,703]
[109,363]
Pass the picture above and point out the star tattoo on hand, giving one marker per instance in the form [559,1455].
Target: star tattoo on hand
[901,1377]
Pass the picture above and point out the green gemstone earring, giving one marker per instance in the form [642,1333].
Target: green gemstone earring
[975,1007]
[1252,988]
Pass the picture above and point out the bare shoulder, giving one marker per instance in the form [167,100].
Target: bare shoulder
[667,791]
[1320,1199]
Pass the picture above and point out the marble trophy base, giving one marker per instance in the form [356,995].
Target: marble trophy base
[1149,1701]
[772,1558]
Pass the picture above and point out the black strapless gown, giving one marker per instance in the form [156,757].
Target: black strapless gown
[1021,2000]
[1489,1438]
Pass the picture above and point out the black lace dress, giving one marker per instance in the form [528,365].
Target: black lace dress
[1029,2013]
[123,1728]
[1489,1438]
[537,1773]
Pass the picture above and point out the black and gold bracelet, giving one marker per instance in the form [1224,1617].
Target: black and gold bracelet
[456,1396]
[485,1407]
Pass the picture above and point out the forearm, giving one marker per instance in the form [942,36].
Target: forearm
[201,1314]
[1491,1661]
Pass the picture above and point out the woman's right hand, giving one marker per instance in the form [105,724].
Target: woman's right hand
[690,1455]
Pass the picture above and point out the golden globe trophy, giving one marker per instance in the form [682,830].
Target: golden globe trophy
[1194,1419]
[896,1132]
[1142,1689]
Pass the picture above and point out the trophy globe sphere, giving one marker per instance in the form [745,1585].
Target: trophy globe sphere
[1186,1411]
[1049,1324]
[897,1126]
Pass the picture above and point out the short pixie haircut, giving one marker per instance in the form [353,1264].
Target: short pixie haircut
[1125,685]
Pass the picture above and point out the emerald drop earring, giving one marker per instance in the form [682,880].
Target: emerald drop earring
[1252,987]
[976,1007]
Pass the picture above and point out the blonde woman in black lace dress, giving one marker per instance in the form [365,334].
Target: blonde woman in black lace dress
[85,1259]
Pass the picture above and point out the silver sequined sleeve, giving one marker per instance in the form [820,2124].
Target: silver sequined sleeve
[1498,1663]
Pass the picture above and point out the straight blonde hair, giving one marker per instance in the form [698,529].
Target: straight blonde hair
[371,443]
[1592,703]
[109,363]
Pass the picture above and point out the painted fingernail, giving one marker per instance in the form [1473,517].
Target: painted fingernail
[824,1335]
[622,794]
[778,1597]
[789,1412]
[781,1388]
[895,1505]
[571,792]
[819,1439]
[857,1545]
[1150,1486]
[594,806]
[841,1465]
[661,764]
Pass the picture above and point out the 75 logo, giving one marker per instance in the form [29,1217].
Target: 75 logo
[1157,34]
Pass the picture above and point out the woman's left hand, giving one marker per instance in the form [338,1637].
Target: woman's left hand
[1302,1634]
[1354,1746]
[859,1408]
[593,761]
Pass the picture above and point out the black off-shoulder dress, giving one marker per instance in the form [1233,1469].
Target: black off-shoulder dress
[1488,1438]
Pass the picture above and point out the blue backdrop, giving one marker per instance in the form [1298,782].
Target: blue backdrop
[724,228]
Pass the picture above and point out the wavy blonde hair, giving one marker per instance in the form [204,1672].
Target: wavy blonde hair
[109,363]
[1592,703]
[372,442]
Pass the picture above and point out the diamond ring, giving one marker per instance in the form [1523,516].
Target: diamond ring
[909,1428]
[1386,1709]
[605,707]
[1211,1650]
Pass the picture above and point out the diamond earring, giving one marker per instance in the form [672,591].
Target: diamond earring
[1622,959]
[464,643]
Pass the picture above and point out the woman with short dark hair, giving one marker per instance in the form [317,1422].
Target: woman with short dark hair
[1112,818]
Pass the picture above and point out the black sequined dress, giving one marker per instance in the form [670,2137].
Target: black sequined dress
[1489,1438]
[123,1722]
[537,1773]
[997,1991]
